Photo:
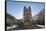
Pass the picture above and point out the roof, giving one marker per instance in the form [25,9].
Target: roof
[10,16]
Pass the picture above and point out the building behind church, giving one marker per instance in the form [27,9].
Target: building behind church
[10,20]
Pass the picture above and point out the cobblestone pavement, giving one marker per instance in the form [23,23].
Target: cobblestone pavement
[23,28]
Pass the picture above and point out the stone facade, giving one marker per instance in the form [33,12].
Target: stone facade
[27,17]
[10,20]
[41,17]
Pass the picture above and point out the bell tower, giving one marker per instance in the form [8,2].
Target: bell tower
[27,17]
